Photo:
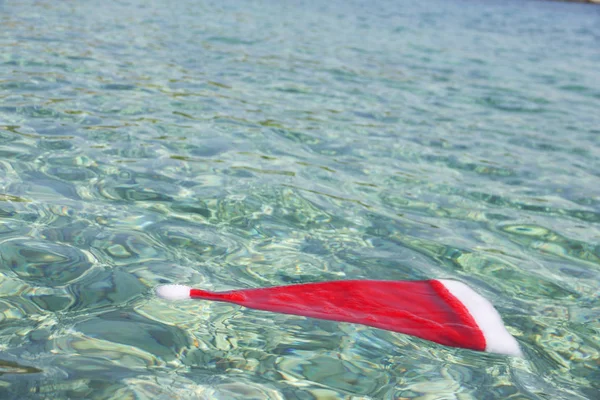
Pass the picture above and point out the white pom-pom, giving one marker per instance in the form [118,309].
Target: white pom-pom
[173,292]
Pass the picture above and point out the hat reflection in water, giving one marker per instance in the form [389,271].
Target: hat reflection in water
[443,311]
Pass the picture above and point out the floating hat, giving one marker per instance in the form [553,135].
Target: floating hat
[443,311]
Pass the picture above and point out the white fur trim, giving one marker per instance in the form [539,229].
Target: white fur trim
[497,338]
[173,292]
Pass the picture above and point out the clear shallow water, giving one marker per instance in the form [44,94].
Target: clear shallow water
[243,144]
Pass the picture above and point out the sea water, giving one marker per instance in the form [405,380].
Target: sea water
[238,144]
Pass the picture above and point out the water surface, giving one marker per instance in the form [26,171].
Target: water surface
[237,144]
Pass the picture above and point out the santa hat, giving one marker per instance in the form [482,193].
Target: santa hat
[443,311]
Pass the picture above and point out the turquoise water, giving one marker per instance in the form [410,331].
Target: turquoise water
[237,144]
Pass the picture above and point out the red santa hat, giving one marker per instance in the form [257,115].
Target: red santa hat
[443,311]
